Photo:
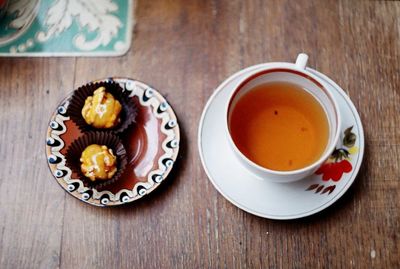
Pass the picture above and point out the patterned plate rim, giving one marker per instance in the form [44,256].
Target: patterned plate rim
[148,96]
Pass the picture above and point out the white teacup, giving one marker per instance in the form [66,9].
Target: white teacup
[295,74]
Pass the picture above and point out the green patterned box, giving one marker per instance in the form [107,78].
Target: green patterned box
[66,28]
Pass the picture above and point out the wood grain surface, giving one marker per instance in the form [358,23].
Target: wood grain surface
[185,49]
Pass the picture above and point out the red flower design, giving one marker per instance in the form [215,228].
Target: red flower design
[334,170]
[337,165]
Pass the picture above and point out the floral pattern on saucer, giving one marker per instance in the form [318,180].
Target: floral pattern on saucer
[337,164]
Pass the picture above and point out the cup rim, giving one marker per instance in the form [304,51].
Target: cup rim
[292,68]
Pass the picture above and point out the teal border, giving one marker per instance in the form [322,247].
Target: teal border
[125,35]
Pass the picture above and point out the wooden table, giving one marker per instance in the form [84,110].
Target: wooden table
[185,49]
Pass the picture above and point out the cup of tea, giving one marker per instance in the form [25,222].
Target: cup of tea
[282,122]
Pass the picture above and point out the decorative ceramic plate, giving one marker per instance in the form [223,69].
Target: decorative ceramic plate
[18,17]
[278,200]
[152,146]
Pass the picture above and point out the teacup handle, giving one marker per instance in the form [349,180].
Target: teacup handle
[301,61]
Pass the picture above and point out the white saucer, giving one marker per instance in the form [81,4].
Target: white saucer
[263,198]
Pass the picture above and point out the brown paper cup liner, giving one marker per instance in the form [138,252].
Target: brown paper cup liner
[77,101]
[76,148]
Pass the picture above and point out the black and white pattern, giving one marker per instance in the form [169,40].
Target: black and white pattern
[169,126]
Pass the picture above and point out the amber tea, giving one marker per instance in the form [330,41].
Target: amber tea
[279,126]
